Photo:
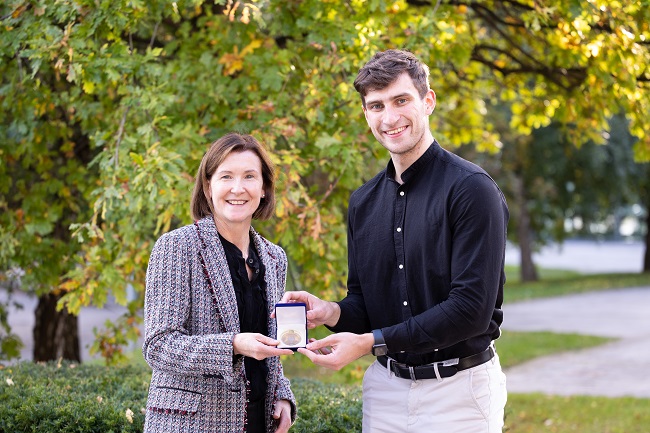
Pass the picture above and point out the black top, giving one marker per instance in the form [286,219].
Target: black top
[426,259]
[252,308]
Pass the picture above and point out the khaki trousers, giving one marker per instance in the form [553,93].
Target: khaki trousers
[471,401]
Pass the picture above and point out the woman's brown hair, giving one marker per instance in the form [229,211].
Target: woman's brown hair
[201,204]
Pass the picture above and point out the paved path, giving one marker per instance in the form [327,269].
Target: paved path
[616,369]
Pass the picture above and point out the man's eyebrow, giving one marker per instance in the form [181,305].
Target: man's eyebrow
[391,98]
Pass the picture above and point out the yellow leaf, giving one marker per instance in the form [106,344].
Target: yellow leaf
[89,87]
[255,43]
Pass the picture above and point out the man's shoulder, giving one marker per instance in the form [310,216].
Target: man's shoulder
[367,188]
[458,163]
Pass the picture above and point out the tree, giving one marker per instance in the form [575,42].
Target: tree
[140,88]
[549,181]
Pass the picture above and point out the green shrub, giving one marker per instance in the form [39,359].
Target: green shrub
[326,408]
[85,398]
[60,398]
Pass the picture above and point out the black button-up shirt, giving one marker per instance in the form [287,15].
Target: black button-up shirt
[426,259]
[251,305]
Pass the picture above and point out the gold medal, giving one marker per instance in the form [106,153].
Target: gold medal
[290,338]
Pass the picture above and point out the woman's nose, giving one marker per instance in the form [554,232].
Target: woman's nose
[236,186]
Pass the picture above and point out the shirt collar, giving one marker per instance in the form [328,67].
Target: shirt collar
[416,167]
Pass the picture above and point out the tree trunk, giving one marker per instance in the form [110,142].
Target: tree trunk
[646,256]
[528,272]
[55,332]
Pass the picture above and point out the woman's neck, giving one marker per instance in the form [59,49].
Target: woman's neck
[238,235]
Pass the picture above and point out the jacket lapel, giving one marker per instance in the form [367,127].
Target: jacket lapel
[216,266]
[270,264]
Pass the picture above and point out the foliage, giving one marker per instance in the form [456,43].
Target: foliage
[548,181]
[72,398]
[108,106]
[326,408]
[60,398]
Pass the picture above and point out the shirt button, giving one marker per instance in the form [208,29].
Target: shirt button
[401,266]
[250,261]
[401,193]
[405,303]
[399,229]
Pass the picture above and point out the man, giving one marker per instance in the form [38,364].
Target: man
[426,246]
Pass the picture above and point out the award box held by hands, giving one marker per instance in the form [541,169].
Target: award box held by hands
[292,325]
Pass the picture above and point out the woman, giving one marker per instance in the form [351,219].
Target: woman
[211,287]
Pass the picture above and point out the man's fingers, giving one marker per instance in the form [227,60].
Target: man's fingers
[308,353]
[318,344]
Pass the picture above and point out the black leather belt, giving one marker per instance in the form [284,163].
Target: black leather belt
[437,369]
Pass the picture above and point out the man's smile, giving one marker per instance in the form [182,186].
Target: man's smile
[395,131]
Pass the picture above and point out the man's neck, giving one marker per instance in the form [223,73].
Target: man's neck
[404,160]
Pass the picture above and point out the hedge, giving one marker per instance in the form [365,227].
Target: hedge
[84,398]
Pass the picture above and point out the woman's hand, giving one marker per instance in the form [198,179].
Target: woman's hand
[282,415]
[257,346]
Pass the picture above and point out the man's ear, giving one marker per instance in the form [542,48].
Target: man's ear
[430,101]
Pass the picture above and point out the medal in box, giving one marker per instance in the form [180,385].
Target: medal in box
[292,325]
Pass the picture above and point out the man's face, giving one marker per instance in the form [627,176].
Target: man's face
[399,118]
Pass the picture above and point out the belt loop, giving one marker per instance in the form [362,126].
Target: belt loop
[388,360]
[412,373]
[435,368]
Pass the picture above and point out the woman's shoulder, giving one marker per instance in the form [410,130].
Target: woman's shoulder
[178,235]
[265,246]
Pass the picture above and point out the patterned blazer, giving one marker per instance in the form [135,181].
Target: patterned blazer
[191,318]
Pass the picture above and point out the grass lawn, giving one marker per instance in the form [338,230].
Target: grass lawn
[537,413]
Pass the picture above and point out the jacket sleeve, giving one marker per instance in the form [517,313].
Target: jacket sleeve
[177,340]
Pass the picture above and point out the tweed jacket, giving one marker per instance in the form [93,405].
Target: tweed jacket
[190,317]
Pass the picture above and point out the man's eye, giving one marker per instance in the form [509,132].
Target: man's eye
[375,107]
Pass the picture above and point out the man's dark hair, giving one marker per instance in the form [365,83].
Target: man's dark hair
[385,67]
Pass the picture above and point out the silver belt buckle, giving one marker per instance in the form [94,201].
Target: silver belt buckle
[412,373]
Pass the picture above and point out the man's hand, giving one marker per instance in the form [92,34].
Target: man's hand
[338,350]
[257,346]
[319,312]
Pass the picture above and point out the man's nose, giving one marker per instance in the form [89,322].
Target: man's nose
[391,116]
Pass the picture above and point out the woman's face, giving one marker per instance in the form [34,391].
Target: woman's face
[236,188]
